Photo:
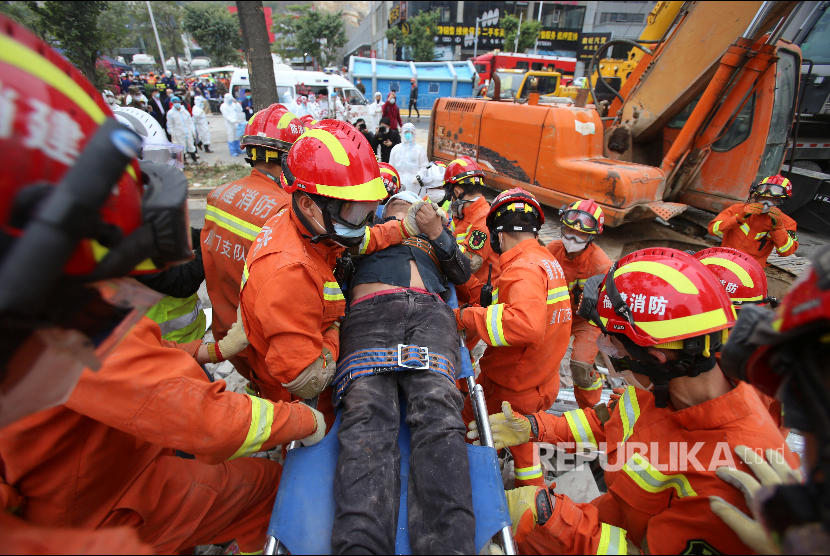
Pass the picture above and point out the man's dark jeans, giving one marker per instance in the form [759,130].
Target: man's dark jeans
[367,482]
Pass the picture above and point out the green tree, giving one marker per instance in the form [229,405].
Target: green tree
[216,30]
[421,36]
[73,27]
[299,30]
[527,36]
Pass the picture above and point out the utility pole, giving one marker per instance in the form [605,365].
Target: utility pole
[475,44]
[257,53]
[518,32]
[538,18]
[156,33]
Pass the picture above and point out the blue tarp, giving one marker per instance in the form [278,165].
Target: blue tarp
[435,79]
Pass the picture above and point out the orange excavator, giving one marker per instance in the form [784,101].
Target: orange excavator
[706,111]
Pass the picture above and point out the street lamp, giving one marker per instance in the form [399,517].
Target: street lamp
[304,55]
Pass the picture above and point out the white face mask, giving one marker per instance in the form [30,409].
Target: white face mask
[573,245]
[391,101]
[435,195]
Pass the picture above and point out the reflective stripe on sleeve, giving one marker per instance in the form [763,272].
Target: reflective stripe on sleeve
[262,417]
[612,540]
[231,223]
[495,295]
[495,330]
[629,411]
[745,228]
[528,473]
[332,292]
[595,386]
[556,295]
[244,275]
[580,429]
[787,245]
[365,243]
[650,479]
[716,229]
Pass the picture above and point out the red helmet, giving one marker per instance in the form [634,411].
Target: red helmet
[741,275]
[584,216]
[660,297]
[391,178]
[308,120]
[775,187]
[461,168]
[73,202]
[515,200]
[274,129]
[334,160]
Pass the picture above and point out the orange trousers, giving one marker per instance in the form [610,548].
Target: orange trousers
[177,504]
[585,351]
[527,465]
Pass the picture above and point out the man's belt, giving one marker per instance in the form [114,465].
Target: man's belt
[385,360]
[423,245]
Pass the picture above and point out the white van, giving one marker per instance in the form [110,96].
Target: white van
[291,83]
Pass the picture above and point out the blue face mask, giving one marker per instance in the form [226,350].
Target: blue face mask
[407,136]
[345,231]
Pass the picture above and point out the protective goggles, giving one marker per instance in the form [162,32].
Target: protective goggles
[575,238]
[580,220]
[355,213]
[771,190]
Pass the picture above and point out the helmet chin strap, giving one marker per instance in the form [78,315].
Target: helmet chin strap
[329,233]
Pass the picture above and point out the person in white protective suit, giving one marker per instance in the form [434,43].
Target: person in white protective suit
[201,122]
[408,158]
[302,106]
[181,128]
[234,116]
[374,112]
[432,178]
[313,107]
[340,109]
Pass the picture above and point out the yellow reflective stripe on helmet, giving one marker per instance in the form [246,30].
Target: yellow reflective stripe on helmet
[372,190]
[674,277]
[528,473]
[612,540]
[716,228]
[495,330]
[786,245]
[580,429]
[650,479]
[745,228]
[335,147]
[629,411]
[99,252]
[232,223]
[733,267]
[692,324]
[332,292]
[556,295]
[597,213]
[460,161]
[262,417]
[24,58]
[385,170]
[285,121]
[596,385]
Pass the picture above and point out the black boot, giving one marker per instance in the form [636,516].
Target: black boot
[207,149]
[193,157]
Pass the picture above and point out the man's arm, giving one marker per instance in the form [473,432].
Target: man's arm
[726,220]
[783,233]
[454,265]
[160,395]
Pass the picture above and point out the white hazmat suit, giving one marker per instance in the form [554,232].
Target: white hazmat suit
[233,115]
[181,128]
[200,120]
[409,159]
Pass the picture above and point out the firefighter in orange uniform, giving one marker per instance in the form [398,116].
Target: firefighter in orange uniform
[85,449]
[237,211]
[664,316]
[528,330]
[580,259]
[464,182]
[291,302]
[758,225]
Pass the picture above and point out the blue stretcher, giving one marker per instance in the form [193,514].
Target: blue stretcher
[303,514]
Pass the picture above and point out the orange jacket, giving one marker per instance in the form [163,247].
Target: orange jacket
[72,463]
[528,326]
[755,237]
[657,490]
[589,262]
[472,235]
[291,300]
[235,213]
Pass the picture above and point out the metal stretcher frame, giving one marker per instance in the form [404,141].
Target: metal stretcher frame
[303,514]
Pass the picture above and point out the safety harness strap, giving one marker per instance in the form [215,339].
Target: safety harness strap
[385,360]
